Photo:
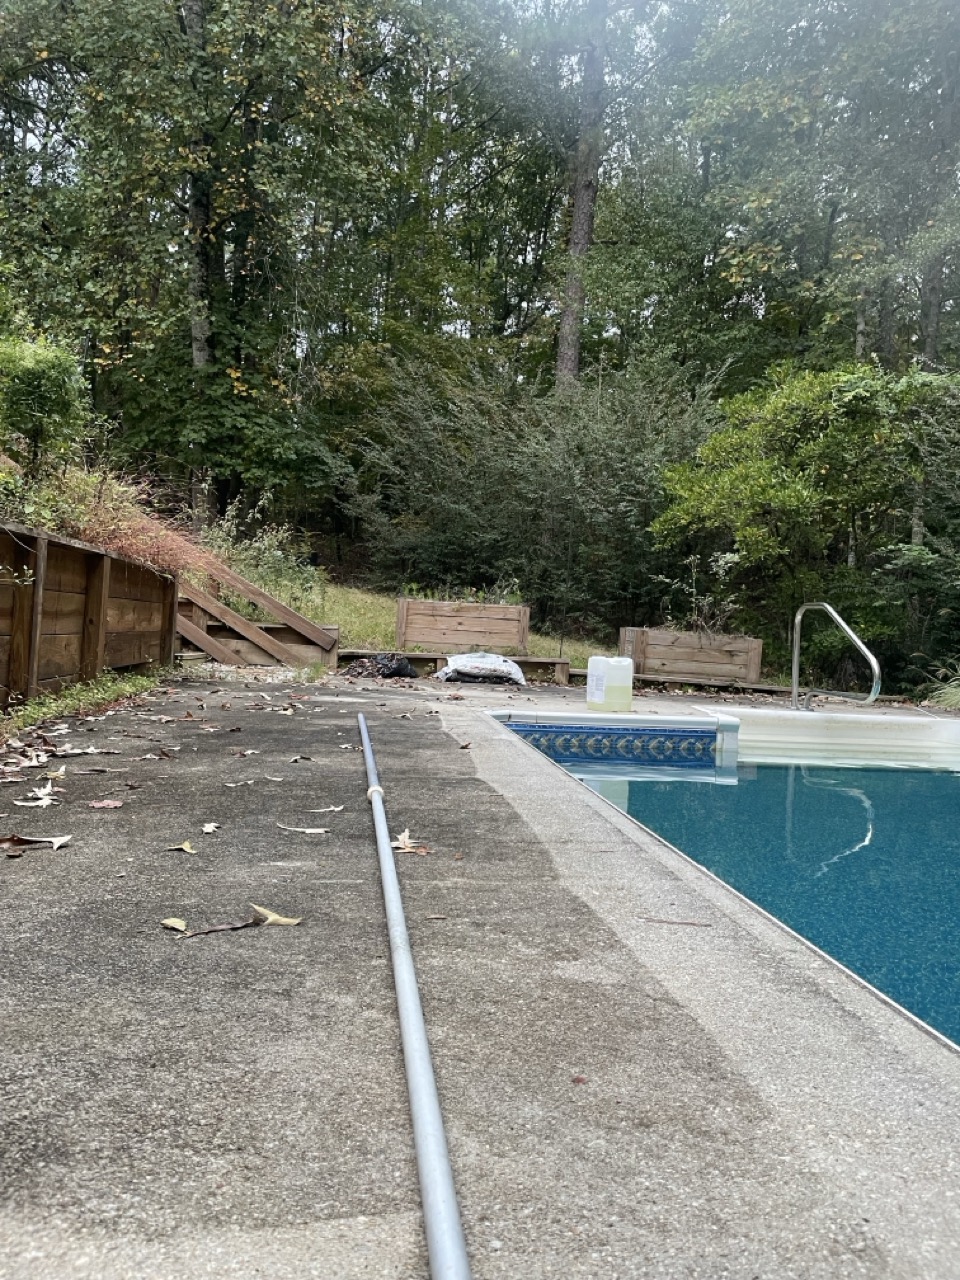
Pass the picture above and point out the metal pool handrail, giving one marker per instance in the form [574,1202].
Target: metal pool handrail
[851,635]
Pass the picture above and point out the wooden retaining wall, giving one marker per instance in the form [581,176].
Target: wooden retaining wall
[451,626]
[83,610]
[657,651]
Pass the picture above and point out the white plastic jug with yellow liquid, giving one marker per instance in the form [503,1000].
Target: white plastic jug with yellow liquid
[610,684]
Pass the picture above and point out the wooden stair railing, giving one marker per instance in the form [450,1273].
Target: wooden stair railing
[203,610]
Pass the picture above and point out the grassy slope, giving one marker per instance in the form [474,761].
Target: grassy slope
[367,621]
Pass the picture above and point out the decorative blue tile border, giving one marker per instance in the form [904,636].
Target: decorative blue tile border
[580,744]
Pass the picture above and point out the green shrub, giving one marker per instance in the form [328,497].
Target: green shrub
[43,410]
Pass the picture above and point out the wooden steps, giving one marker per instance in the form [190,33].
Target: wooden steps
[206,623]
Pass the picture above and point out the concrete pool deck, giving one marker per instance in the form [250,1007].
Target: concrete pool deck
[624,1097]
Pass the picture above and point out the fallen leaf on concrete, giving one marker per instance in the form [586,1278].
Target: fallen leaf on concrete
[105,804]
[174,922]
[99,769]
[271,917]
[212,728]
[297,759]
[331,808]
[210,827]
[403,844]
[247,782]
[15,841]
[306,831]
[57,773]
[222,928]
[285,711]
[270,778]
[345,746]
[149,756]
[237,728]
[42,802]
[185,847]
[579,1079]
[404,715]
[435,917]
[454,697]
[464,746]
[697,924]
[188,715]
[458,857]
[234,751]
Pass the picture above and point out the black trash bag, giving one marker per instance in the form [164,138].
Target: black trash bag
[383,666]
[394,666]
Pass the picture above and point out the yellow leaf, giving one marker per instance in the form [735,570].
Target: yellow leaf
[175,923]
[271,917]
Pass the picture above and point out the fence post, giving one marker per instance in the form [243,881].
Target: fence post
[95,607]
[27,619]
[168,625]
[36,616]
[21,620]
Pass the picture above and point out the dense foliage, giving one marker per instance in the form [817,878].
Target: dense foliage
[454,287]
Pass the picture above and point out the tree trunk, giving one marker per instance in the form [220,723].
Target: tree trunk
[586,180]
[860,349]
[199,198]
[931,291]
[887,325]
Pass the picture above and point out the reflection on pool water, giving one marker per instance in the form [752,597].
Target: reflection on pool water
[865,863]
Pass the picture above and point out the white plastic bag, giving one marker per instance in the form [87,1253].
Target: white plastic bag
[481,666]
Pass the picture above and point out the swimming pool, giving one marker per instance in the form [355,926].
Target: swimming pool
[864,863]
[860,859]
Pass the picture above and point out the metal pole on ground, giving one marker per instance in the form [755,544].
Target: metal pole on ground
[446,1247]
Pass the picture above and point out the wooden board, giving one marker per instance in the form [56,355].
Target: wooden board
[131,648]
[62,612]
[66,569]
[312,631]
[134,615]
[95,616]
[678,653]
[6,607]
[458,627]
[217,651]
[245,652]
[59,656]
[242,626]
[134,582]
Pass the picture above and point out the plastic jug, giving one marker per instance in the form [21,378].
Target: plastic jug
[610,684]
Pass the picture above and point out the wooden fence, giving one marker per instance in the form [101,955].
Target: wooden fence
[69,610]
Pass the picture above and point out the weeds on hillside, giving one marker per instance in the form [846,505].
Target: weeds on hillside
[272,556]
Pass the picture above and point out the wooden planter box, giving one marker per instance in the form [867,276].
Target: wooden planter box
[83,609]
[694,654]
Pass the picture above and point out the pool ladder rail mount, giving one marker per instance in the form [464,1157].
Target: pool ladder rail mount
[848,631]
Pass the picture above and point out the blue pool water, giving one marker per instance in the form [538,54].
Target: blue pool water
[863,862]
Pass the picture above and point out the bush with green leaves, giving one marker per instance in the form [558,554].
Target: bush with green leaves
[844,486]
[469,480]
[43,402]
